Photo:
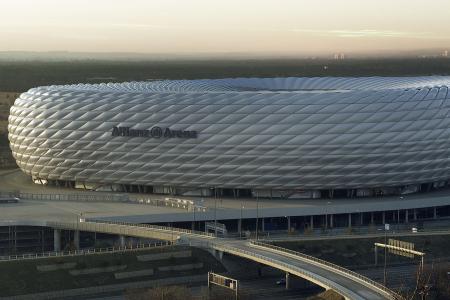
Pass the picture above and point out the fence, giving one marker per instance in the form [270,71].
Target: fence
[188,205]
[332,266]
[53,254]
[98,197]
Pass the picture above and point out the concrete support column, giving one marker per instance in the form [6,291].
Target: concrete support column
[393,216]
[289,224]
[331,221]
[76,239]
[288,284]
[376,255]
[42,240]
[263,228]
[434,213]
[406,216]
[415,214]
[193,226]
[361,218]
[371,218]
[384,217]
[122,240]
[56,239]
[349,220]
[311,222]
[239,226]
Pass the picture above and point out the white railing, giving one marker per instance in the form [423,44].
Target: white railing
[156,227]
[333,266]
[82,252]
[85,224]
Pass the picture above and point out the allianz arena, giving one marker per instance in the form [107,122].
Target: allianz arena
[290,137]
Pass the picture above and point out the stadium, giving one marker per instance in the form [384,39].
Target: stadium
[275,137]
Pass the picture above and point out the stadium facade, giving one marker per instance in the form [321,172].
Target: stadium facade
[290,137]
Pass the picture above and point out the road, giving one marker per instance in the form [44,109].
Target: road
[293,264]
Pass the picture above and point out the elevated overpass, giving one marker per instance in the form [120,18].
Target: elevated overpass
[329,276]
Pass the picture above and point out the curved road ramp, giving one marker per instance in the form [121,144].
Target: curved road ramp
[349,284]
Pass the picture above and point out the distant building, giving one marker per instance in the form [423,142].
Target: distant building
[339,56]
[445,53]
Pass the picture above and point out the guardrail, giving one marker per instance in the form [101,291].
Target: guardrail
[188,205]
[286,266]
[166,229]
[97,197]
[52,254]
[333,266]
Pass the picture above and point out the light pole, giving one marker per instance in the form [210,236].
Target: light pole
[386,228]
[326,215]
[240,231]
[242,207]
[193,210]
[171,233]
[215,212]
[257,214]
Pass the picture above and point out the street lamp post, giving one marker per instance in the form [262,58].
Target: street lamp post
[215,212]
[242,207]
[240,231]
[193,224]
[257,213]
[386,228]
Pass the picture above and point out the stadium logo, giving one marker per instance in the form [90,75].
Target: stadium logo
[156,132]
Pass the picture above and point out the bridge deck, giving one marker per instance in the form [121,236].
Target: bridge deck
[326,277]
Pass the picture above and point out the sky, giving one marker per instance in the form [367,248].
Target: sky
[224,26]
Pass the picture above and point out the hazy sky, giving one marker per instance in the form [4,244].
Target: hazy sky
[196,26]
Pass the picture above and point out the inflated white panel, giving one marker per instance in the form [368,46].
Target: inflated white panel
[281,133]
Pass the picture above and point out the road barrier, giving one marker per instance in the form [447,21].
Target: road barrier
[97,197]
[130,229]
[187,205]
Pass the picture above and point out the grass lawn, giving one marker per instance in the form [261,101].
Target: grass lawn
[22,277]
[360,252]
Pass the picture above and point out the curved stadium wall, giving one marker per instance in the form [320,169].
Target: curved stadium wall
[277,134]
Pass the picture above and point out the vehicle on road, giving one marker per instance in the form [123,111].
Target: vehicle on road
[9,200]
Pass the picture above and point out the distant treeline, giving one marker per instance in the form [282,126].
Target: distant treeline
[22,75]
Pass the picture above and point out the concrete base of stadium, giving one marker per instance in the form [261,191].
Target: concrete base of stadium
[248,192]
